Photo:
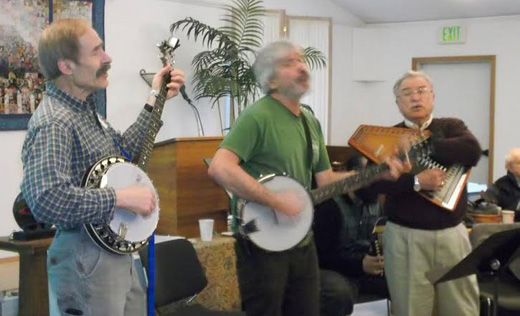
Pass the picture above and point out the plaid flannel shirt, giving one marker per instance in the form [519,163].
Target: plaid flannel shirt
[65,137]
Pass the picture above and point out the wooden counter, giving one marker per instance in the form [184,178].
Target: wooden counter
[186,193]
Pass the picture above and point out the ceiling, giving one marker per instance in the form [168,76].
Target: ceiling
[389,11]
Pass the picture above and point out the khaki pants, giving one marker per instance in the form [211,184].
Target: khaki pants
[410,253]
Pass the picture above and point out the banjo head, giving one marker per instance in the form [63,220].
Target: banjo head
[276,231]
[138,227]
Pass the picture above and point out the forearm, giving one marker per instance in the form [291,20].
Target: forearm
[133,138]
[68,207]
[51,185]
[456,144]
[463,150]
[403,185]
[232,177]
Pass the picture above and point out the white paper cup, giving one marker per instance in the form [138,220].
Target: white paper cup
[206,229]
[508,217]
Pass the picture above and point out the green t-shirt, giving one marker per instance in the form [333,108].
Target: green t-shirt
[268,138]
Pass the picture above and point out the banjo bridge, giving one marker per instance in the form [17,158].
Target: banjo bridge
[123,229]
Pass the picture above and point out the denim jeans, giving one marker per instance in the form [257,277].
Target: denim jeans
[86,280]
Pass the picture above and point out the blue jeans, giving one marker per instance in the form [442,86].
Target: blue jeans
[86,280]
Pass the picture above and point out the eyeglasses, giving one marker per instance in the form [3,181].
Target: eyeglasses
[420,92]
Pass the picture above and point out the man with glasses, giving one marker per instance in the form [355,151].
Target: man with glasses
[419,235]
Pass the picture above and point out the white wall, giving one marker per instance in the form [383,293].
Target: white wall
[132,28]
[131,44]
[373,102]
[11,143]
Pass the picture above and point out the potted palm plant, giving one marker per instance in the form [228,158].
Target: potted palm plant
[225,69]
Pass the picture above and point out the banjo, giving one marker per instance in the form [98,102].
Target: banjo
[128,232]
[272,230]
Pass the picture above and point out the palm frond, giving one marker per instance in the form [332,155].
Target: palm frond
[196,28]
[225,68]
[314,58]
[245,24]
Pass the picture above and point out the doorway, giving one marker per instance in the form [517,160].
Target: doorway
[465,88]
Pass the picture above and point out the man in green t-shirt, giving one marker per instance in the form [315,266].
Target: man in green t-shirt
[270,137]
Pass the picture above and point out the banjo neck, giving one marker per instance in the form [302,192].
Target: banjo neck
[272,230]
[167,48]
[419,151]
[154,125]
[348,184]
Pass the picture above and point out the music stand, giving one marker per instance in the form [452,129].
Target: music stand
[492,257]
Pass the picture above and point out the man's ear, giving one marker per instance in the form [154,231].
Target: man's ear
[65,66]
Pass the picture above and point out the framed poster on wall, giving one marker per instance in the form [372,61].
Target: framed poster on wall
[22,86]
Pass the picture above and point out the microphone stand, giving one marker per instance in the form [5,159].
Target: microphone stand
[200,129]
[148,76]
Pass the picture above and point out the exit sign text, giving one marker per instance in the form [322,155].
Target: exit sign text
[452,34]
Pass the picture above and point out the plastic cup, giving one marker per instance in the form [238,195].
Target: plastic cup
[206,229]
[508,217]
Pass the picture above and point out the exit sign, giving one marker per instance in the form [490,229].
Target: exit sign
[452,34]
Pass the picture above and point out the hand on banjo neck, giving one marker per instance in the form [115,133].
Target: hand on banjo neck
[290,203]
[142,200]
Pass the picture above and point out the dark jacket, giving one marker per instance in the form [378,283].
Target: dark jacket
[452,143]
[505,192]
[342,231]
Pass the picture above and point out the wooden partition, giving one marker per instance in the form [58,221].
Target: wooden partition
[186,193]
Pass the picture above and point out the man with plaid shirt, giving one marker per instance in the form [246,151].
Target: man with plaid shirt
[65,137]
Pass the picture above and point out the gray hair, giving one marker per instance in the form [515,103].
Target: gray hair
[512,155]
[411,74]
[267,59]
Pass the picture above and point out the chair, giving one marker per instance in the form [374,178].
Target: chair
[179,277]
[508,281]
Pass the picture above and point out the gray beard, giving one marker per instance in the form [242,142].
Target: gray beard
[292,94]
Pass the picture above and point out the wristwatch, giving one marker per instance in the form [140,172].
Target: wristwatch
[416,184]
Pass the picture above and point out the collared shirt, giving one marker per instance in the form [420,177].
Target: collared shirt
[65,137]
[425,125]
